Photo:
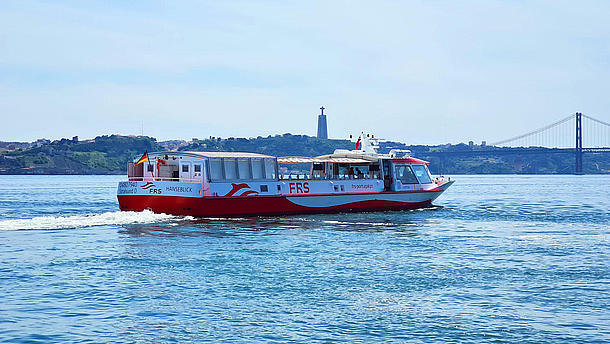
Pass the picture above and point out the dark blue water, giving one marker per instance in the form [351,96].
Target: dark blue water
[506,259]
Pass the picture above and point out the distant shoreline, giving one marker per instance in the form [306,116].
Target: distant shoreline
[109,155]
[445,174]
[62,174]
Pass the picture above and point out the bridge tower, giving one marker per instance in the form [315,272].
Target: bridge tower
[578,150]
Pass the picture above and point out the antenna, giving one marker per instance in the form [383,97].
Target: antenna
[142,128]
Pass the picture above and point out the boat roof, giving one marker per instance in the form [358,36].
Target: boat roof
[305,159]
[411,160]
[342,157]
[339,154]
[217,154]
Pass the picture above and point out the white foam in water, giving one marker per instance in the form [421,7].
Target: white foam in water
[78,221]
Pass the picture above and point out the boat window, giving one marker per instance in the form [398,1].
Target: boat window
[357,171]
[185,168]
[149,167]
[215,169]
[257,169]
[361,172]
[422,174]
[243,167]
[343,171]
[270,169]
[374,171]
[317,171]
[230,170]
[197,168]
[405,174]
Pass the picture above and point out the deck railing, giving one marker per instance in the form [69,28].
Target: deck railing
[281,177]
[164,179]
[294,176]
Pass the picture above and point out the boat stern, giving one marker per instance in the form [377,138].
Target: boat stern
[156,195]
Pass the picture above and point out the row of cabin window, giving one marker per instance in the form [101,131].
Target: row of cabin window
[242,168]
[185,168]
[196,168]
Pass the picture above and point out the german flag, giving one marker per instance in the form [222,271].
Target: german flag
[144,158]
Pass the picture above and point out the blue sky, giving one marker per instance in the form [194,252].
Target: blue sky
[421,72]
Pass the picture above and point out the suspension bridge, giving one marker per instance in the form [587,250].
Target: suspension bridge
[576,133]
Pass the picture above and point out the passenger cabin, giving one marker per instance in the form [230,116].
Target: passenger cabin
[398,170]
[220,173]
[197,167]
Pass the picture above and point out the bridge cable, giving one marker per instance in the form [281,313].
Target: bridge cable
[599,137]
[537,131]
[597,120]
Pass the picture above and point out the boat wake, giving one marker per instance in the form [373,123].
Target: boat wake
[90,220]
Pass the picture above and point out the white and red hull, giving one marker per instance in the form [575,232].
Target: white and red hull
[253,205]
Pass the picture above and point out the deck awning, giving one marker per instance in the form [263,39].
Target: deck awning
[310,160]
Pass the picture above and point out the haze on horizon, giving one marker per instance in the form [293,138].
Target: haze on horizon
[420,72]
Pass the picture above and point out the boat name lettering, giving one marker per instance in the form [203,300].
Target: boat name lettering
[365,186]
[128,184]
[299,187]
[179,189]
[128,188]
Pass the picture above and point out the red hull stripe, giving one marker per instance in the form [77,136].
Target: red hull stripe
[436,189]
[248,206]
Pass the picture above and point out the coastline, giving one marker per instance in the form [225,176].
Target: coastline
[117,173]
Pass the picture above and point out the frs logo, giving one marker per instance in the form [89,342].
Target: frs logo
[299,187]
[151,187]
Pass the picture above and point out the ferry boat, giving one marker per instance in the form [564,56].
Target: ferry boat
[230,184]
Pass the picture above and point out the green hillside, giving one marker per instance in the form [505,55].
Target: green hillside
[110,155]
[102,155]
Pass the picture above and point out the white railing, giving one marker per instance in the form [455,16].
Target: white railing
[164,179]
[293,176]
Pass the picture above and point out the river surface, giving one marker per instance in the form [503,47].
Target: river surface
[504,259]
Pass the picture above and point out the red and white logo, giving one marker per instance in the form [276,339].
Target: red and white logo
[151,187]
[148,185]
[241,190]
